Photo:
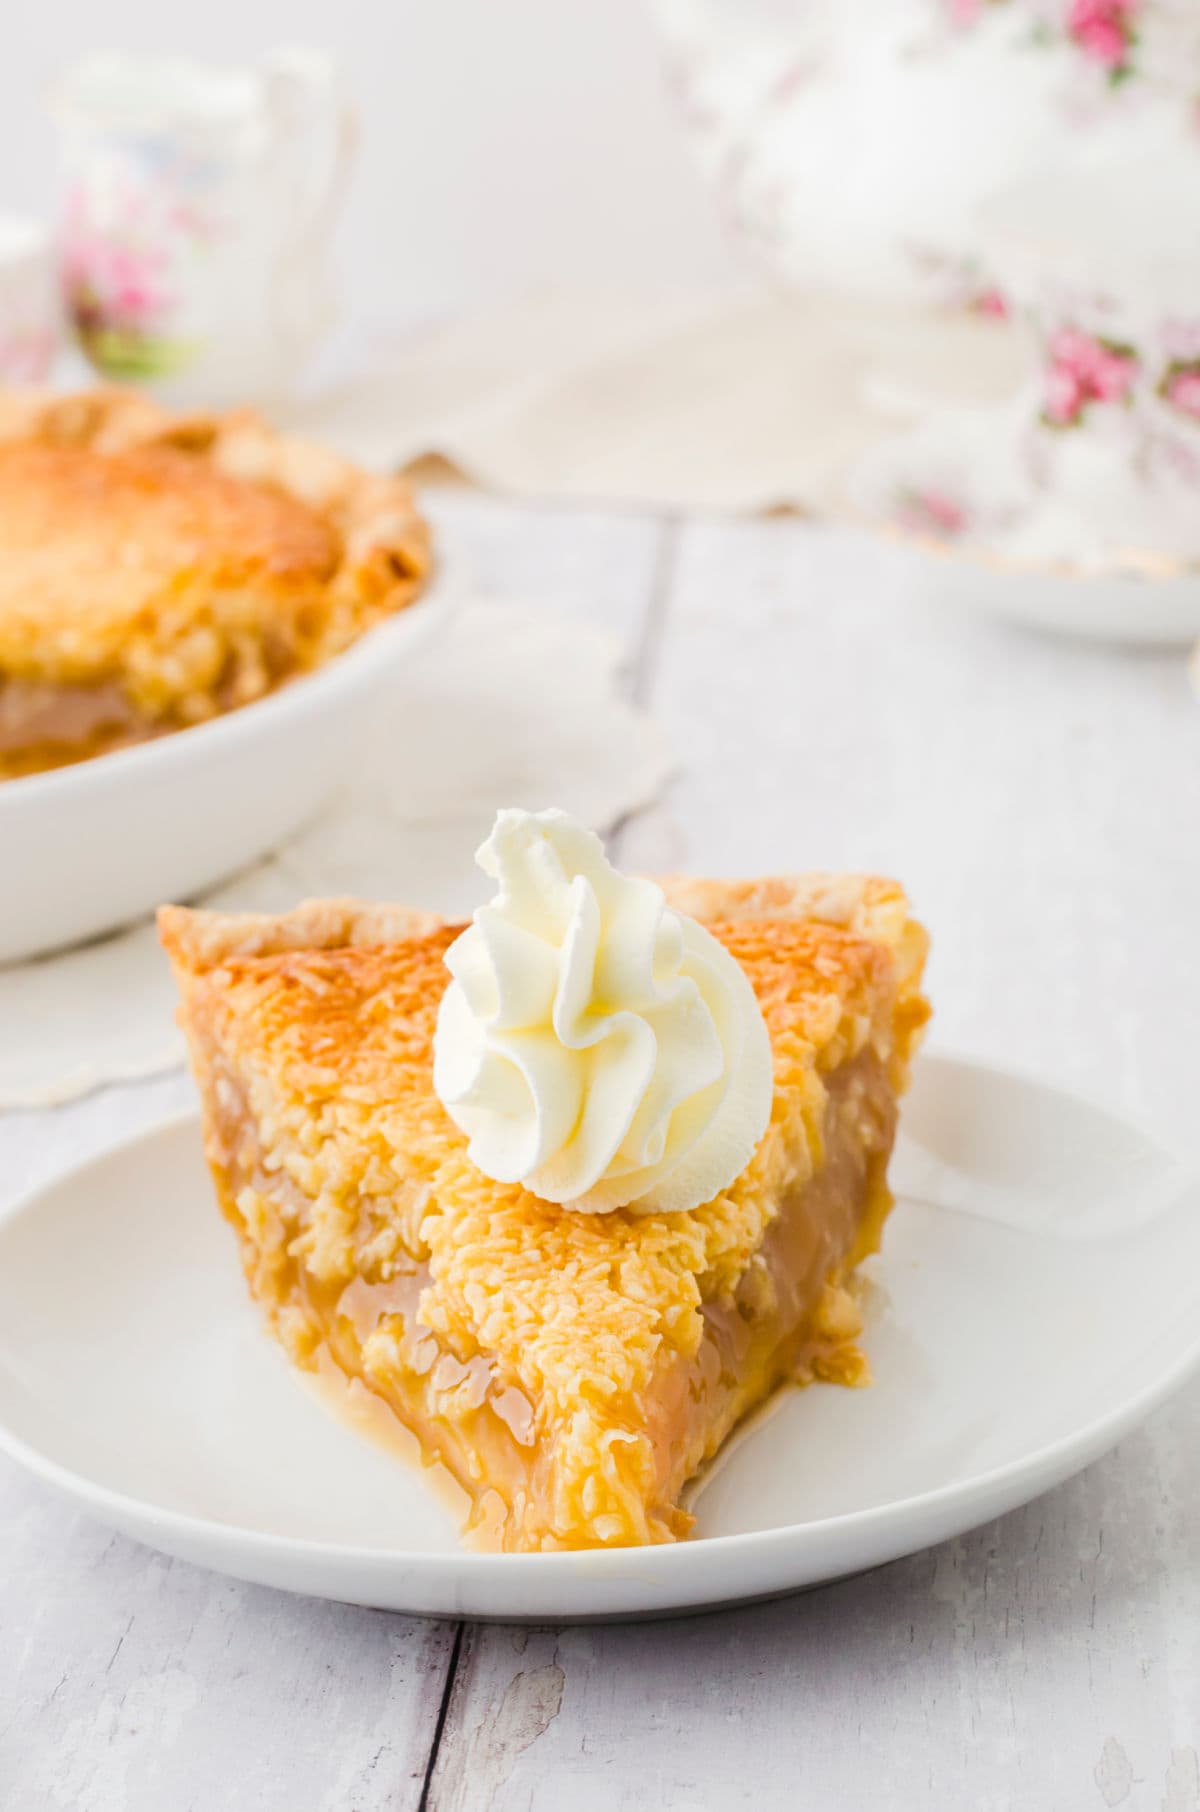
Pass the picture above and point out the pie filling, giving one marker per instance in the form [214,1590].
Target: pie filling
[45,725]
[791,1316]
[160,569]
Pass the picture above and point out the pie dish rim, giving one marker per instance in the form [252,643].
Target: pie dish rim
[439,595]
[382,542]
[82,866]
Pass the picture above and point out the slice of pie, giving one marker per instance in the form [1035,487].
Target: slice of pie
[157,569]
[573,1371]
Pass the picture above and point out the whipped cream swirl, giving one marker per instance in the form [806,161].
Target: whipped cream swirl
[594,1044]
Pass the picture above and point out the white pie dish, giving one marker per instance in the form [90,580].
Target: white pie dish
[87,848]
[1035,1298]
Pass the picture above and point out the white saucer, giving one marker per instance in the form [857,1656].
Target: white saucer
[1141,610]
[1067,563]
[1035,1298]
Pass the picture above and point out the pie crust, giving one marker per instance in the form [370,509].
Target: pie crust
[573,1372]
[157,569]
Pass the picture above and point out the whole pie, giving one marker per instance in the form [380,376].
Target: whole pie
[157,569]
[573,1371]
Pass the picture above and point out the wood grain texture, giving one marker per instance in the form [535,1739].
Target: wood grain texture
[146,1683]
[592,567]
[1040,801]
[1039,798]
[1048,1660]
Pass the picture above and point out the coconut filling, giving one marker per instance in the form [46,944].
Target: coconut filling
[790,1318]
[35,713]
[48,724]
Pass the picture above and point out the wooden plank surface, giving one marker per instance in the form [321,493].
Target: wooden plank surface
[1049,1660]
[1040,801]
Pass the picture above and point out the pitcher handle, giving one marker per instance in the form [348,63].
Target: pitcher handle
[309,99]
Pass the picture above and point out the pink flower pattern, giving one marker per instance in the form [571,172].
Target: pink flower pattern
[1104,31]
[117,270]
[1180,387]
[931,512]
[969,12]
[958,283]
[990,302]
[1085,370]
[114,284]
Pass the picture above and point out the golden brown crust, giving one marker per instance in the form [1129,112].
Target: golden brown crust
[311,1035]
[862,903]
[854,902]
[97,537]
[199,941]
[866,906]
[191,562]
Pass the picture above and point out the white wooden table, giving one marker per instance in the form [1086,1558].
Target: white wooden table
[1040,801]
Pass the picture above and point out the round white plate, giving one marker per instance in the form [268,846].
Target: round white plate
[1062,560]
[1035,1297]
[87,848]
[1131,608]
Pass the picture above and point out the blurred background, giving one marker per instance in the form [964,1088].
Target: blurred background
[916,272]
[892,264]
[502,146]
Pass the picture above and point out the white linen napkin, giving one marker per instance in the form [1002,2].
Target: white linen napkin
[754,401]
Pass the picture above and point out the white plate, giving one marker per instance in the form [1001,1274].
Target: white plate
[86,848]
[1105,606]
[1044,557]
[1036,1296]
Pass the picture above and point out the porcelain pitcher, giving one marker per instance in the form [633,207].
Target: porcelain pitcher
[196,218]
